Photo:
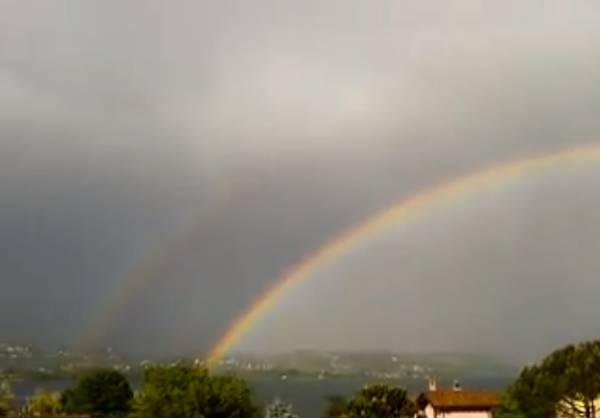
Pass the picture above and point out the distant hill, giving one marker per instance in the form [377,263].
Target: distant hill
[385,363]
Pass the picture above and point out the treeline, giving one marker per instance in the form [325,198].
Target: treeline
[166,392]
[566,384]
[187,392]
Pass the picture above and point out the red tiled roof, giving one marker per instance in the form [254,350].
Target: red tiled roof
[463,399]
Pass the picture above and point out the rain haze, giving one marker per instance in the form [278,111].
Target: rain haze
[215,144]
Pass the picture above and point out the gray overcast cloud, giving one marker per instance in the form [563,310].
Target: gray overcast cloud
[259,130]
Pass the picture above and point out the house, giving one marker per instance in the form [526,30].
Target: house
[457,403]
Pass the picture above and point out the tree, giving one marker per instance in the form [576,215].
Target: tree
[336,407]
[44,403]
[7,397]
[509,409]
[184,392]
[533,394]
[103,393]
[280,409]
[566,383]
[377,401]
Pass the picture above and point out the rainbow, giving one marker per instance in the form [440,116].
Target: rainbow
[153,265]
[401,211]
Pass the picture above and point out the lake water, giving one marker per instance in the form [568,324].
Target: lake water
[308,395]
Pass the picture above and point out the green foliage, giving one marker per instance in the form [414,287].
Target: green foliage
[184,392]
[280,409]
[336,407]
[567,383]
[377,401]
[104,393]
[533,394]
[7,397]
[509,409]
[44,403]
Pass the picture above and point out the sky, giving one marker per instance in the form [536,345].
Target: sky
[217,143]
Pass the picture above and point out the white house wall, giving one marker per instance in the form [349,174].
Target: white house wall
[459,414]
[430,413]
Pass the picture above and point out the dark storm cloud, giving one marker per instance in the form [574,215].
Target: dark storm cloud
[266,127]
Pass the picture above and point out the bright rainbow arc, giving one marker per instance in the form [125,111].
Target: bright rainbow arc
[400,212]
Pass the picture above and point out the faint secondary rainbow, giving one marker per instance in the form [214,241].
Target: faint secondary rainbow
[154,264]
[401,211]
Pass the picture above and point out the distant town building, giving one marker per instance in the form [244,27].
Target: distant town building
[15,351]
[456,403]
